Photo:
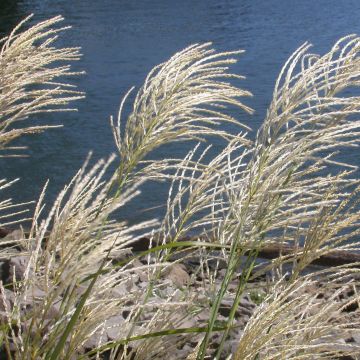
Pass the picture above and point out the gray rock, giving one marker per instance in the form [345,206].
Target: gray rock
[114,326]
[124,288]
[202,316]
[98,338]
[245,307]
[225,309]
[121,254]
[242,311]
[177,274]
[244,319]
[15,267]
[15,235]
[137,264]
[356,336]
[34,293]
[53,313]
[188,323]
[247,302]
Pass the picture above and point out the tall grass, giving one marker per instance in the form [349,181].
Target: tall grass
[84,294]
[29,72]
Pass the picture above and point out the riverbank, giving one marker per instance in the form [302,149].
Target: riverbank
[181,275]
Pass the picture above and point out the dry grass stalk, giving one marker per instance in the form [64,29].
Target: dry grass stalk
[305,320]
[30,77]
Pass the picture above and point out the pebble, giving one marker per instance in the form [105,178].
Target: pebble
[16,266]
[177,274]
[114,326]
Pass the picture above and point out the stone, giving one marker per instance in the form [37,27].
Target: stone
[124,287]
[119,291]
[137,265]
[35,293]
[356,336]
[188,323]
[11,244]
[225,310]
[114,326]
[14,235]
[98,338]
[178,275]
[202,316]
[244,310]
[4,232]
[121,254]
[54,311]
[247,302]
[15,268]
[244,319]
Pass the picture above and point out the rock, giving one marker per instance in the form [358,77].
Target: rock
[2,268]
[4,232]
[124,287]
[222,273]
[244,310]
[11,243]
[54,311]
[35,293]
[246,302]
[177,274]
[119,291]
[14,268]
[350,340]
[121,254]
[356,337]
[184,352]
[225,310]
[98,338]
[32,296]
[244,319]
[231,346]
[114,326]
[137,264]
[188,323]
[14,235]
[334,342]
[353,306]
[111,330]
[202,316]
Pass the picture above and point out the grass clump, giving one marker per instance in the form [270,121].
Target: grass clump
[76,287]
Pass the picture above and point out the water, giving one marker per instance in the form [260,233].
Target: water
[122,40]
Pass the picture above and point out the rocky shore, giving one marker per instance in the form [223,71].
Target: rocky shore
[180,276]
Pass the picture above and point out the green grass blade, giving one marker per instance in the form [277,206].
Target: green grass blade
[167,332]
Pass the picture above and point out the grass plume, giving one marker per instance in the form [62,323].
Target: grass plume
[31,74]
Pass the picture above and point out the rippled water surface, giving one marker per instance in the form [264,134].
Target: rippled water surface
[122,40]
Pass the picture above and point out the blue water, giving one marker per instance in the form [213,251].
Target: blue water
[122,40]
